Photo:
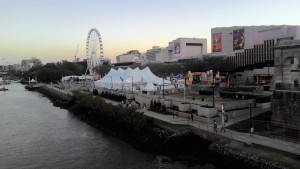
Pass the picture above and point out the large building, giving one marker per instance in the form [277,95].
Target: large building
[183,48]
[151,53]
[251,47]
[130,56]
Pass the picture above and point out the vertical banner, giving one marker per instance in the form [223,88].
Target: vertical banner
[217,42]
[189,79]
[238,39]
[176,48]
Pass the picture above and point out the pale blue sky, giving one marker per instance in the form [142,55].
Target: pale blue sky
[51,29]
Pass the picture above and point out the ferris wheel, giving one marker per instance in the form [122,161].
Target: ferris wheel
[94,50]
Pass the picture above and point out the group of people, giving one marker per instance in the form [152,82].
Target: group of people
[215,126]
[175,114]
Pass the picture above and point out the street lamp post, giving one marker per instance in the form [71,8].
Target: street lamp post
[163,87]
[268,77]
[250,106]
[111,85]
[184,92]
[213,86]
[131,83]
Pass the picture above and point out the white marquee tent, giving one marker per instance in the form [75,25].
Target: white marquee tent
[125,79]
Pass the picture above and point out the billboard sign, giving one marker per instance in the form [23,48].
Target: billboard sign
[217,42]
[238,39]
[176,48]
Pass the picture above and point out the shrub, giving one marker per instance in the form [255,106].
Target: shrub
[95,92]
[205,92]
[263,99]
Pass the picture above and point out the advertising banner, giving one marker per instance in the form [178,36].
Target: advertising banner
[217,42]
[176,48]
[238,39]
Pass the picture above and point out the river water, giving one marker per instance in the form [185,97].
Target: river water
[35,134]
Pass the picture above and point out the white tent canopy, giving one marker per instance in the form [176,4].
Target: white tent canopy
[33,81]
[124,79]
[150,87]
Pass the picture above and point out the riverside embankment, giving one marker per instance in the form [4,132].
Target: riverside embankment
[143,133]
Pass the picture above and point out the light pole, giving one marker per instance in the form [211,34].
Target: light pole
[250,106]
[213,86]
[131,83]
[111,86]
[268,73]
[163,87]
[184,92]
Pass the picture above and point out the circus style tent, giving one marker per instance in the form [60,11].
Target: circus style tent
[150,87]
[125,79]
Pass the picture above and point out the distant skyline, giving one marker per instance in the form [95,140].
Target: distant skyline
[51,29]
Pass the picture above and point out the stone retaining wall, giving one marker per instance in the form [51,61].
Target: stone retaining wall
[285,108]
[247,160]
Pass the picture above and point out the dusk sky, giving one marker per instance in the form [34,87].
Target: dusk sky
[51,29]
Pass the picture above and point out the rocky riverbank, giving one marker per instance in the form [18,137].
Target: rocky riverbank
[144,134]
[239,158]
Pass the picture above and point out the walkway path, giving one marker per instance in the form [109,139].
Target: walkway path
[243,137]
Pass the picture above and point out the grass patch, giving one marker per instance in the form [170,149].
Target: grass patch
[175,127]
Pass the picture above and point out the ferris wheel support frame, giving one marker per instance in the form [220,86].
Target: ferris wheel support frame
[91,63]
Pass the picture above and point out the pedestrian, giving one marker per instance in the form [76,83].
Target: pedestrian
[192,117]
[215,126]
[251,131]
[173,113]
[177,114]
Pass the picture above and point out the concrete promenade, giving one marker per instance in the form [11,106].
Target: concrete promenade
[239,136]
[243,137]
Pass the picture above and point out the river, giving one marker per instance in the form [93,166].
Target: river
[35,134]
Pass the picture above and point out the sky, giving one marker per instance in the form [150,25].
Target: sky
[51,29]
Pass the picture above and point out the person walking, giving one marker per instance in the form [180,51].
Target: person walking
[192,117]
[223,118]
[251,131]
[215,126]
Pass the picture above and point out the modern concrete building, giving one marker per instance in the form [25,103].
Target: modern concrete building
[183,48]
[151,53]
[250,48]
[130,56]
